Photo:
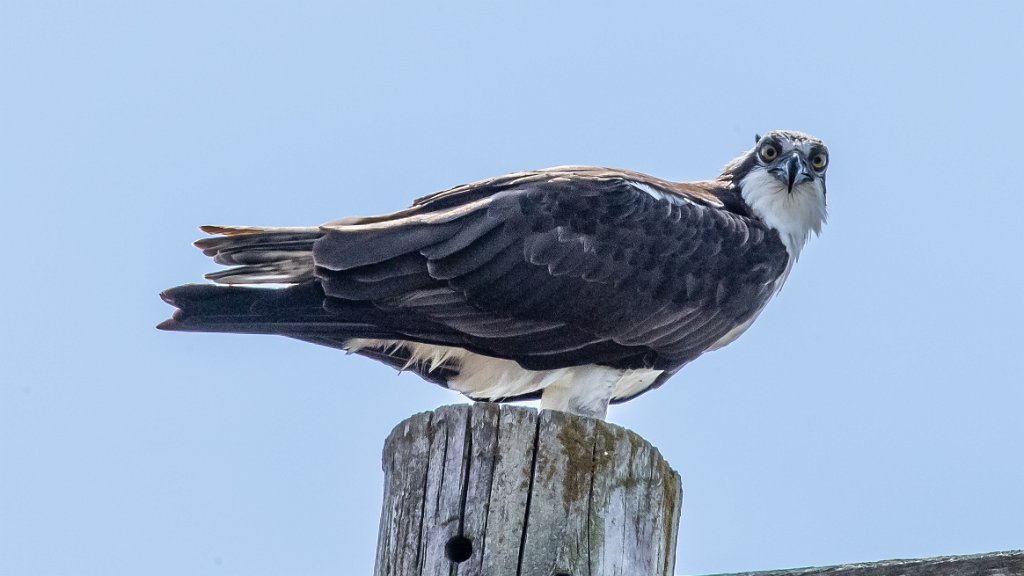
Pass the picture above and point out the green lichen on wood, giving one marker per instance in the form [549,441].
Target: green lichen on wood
[605,461]
[671,489]
[578,450]
[629,481]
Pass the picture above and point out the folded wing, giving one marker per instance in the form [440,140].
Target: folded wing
[558,269]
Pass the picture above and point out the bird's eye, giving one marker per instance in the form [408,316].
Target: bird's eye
[769,152]
[819,161]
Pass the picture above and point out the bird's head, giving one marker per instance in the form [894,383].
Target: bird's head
[782,180]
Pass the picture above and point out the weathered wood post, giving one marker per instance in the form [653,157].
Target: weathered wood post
[484,489]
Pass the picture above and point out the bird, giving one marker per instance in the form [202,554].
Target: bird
[578,285]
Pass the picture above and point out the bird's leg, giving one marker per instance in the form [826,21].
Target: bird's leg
[584,390]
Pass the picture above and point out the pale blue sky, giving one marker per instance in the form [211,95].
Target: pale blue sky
[873,411]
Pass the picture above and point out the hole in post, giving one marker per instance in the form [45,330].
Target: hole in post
[458,549]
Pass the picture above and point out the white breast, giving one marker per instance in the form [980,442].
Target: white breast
[794,214]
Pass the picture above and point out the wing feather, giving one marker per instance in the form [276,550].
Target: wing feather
[479,253]
[344,248]
[561,268]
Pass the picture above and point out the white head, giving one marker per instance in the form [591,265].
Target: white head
[782,180]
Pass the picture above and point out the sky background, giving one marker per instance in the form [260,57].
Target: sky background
[873,411]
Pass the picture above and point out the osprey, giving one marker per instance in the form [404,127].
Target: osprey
[578,285]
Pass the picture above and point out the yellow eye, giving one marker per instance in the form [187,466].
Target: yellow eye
[769,152]
[819,161]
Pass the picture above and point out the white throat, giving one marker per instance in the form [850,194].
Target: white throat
[793,214]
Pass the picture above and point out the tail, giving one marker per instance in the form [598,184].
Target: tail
[296,311]
[260,255]
[241,309]
[256,256]
[299,312]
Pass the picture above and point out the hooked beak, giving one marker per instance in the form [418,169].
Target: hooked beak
[792,170]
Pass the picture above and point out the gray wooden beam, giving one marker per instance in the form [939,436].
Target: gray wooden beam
[992,564]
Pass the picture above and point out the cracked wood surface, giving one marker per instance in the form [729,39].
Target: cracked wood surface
[510,491]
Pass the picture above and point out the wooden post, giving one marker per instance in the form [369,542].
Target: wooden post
[483,489]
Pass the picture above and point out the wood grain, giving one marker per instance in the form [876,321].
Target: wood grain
[480,489]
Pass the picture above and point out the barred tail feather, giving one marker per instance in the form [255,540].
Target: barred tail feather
[260,255]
